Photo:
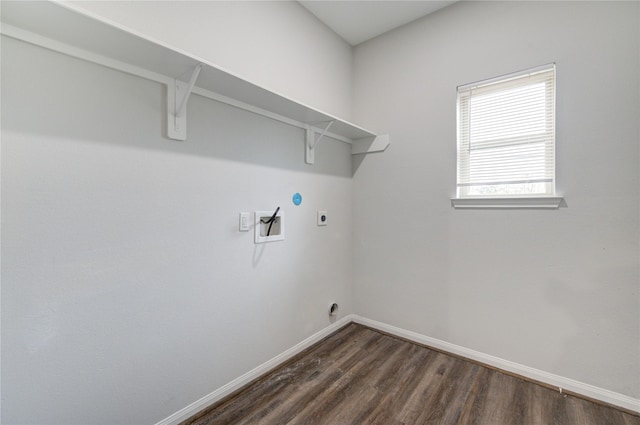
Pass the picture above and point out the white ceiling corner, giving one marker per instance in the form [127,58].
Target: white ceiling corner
[357,21]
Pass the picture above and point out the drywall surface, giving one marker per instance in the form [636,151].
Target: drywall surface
[276,44]
[127,290]
[557,290]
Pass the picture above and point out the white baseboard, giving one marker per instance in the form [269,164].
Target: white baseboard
[565,384]
[562,383]
[243,380]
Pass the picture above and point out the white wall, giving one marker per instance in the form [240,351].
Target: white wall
[278,45]
[127,291]
[553,290]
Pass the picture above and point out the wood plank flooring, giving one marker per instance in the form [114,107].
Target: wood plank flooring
[361,376]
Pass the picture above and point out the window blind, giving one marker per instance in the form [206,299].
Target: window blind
[506,135]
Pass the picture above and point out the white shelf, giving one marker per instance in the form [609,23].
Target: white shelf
[58,27]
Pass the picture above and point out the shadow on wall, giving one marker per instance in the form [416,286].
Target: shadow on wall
[82,101]
[358,159]
[258,251]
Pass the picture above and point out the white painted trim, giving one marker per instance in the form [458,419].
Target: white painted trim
[551,202]
[510,76]
[260,111]
[75,18]
[77,53]
[560,382]
[259,371]
[366,145]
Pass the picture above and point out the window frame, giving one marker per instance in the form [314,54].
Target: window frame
[548,199]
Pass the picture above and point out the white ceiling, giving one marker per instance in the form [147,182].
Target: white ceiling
[360,20]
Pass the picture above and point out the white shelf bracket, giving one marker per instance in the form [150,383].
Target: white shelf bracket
[177,96]
[312,142]
[370,144]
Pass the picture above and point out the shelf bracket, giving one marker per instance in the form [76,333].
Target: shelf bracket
[370,144]
[312,142]
[178,94]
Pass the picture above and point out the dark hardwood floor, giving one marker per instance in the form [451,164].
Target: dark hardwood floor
[361,376]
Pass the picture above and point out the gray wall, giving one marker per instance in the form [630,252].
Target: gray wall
[278,45]
[127,291]
[553,290]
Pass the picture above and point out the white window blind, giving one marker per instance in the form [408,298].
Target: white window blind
[506,136]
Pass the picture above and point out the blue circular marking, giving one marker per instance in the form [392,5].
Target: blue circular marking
[297,198]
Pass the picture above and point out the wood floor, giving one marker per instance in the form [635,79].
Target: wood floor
[361,376]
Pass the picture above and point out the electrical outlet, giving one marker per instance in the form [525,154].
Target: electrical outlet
[323,218]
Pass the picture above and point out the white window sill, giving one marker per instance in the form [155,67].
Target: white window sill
[552,202]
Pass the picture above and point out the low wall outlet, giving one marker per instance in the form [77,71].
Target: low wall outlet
[323,218]
[267,231]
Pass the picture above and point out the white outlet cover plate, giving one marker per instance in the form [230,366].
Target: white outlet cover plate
[244,222]
[323,218]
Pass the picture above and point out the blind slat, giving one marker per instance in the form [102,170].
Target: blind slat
[506,135]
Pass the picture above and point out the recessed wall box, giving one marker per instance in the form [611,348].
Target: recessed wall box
[266,229]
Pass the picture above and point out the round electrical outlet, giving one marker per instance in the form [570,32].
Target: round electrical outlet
[323,218]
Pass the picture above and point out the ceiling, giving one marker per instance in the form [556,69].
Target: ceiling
[357,21]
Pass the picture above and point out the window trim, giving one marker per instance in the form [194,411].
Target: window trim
[529,202]
[549,200]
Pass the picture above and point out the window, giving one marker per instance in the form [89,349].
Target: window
[506,136]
